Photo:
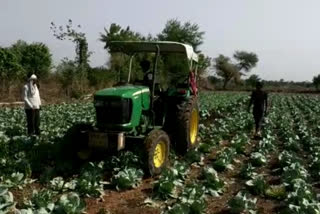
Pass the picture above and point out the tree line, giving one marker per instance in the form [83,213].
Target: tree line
[20,59]
[76,75]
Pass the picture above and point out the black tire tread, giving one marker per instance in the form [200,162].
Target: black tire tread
[184,110]
[150,143]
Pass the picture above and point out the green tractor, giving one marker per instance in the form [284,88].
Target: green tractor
[143,111]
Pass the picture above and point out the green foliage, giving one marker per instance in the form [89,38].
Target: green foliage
[214,186]
[58,184]
[117,33]
[123,160]
[205,147]
[204,62]
[225,159]
[9,64]
[225,69]
[6,201]
[10,69]
[127,178]
[302,199]
[187,32]
[68,75]
[69,204]
[258,159]
[316,81]
[252,80]
[34,58]
[79,38]
[74,73]
[294,171]
[118,62]
[175,68]
[167,185]
[257,185]
[228,70]
[100,77]
[193,196]
[247,171]
[246,60]
[42,199]
[90,182]
[179,208]
[276,191]
[176,65]
[183,192]
[193,156]
[241,203]
[239,143]
[16,179]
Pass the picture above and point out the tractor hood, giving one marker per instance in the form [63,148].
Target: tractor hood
[122,91]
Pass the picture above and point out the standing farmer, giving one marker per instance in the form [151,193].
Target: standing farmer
[32,103]
[259,99]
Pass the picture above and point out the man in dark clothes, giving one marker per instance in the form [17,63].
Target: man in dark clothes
[147,73]
[259,99]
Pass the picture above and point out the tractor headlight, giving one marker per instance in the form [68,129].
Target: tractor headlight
[98,103]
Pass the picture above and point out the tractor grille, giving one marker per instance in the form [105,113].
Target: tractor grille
[113,111]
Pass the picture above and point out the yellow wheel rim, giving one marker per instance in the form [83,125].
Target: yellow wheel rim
[194,126]
[159,155]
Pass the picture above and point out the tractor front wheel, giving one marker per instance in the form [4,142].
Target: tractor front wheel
[157,147]
[77,140]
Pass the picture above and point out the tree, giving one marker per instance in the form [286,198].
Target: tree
[225,69]
[117,33]
[174,30]
[119,63]
[187,33]
[82,51]
[79,38]
[316,81]
[229,70]
[246,60]
[252,80]
[100,77]
[204,62]
[10,69]
[19,49]
[37,59]
[33,58]
[67,71]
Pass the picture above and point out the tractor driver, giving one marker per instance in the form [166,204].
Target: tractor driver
[148,76]
[147,73]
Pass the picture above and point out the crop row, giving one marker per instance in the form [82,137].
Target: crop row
[290,136]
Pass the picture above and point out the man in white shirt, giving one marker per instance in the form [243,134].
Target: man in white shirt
[32,103]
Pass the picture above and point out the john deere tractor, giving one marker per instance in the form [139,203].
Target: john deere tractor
[143,111]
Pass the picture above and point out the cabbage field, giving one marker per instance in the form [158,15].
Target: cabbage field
[230,171]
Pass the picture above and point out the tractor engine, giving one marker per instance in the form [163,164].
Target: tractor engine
[120,108]
[113,110]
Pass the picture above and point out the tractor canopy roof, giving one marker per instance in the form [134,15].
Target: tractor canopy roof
[131,47]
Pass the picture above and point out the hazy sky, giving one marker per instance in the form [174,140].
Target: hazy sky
[285,34]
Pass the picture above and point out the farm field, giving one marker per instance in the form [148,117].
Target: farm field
[230,172]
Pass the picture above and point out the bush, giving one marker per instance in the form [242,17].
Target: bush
[316,82]
[72,78]
[100,77]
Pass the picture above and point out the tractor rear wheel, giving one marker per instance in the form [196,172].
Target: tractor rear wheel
[157,147]
[188,125]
